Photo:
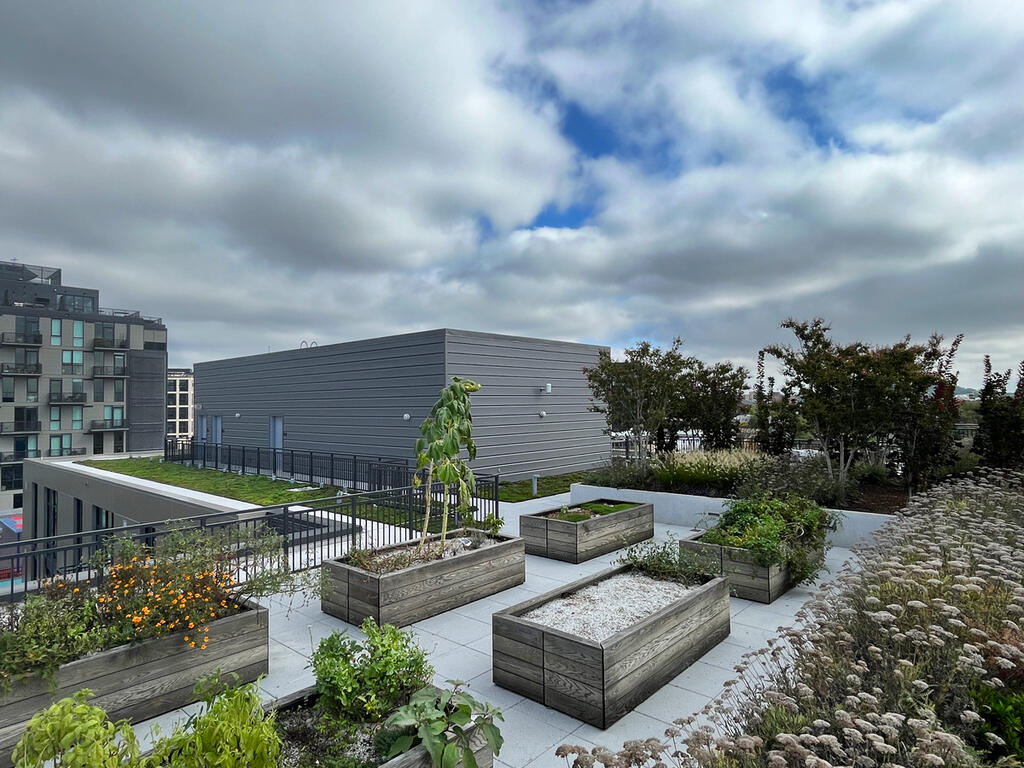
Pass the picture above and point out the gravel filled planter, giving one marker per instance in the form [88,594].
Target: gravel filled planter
[747,578]
[587,539]
[142,680]
[599,682]
[425,589]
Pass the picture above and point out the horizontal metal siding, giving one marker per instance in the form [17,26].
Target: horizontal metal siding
[511,437]
[341,398]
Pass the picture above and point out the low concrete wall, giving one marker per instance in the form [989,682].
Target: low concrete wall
[699,512]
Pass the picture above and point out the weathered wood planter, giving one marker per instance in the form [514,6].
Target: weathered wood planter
[145,679]
[417,757]
[747,578]
[425,589]
[578,542]
[600,682]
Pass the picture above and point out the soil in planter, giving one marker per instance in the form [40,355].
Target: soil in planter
[599,610]
[587,511]
[391,560]
[309,740]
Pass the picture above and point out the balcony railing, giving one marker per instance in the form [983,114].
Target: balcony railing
[75,398]
[72,369]
[129,314]
[66,452]
[113,371]
[102,343]
[100,425]
[21,339]
[10,458]
[21,369]
[13,427]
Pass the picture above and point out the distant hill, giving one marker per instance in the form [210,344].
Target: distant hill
[966,391]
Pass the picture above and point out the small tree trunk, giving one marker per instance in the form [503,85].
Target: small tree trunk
[426,505]
[444,521]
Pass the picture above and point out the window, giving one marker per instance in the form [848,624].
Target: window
[32,390]
[97,390]
[105,332]
[60,445]
[114,415]
[54,418]
[119,442]
[79,334]
[51,512]
[71,362]
[23,356]
[10,477]
[183,385]
[172,428]
[170,398]
[55,332]
[171,413]
[56,386]
[183,398]
[82,304]
[27,446]
[18,500]
[101,518]
[79,521]
[183,413]
[76,417]
[78,386]
[119,390]
[8,388]
[26,326]
[97,442]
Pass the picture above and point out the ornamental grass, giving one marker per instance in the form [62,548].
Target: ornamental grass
[717,470]
[913,656]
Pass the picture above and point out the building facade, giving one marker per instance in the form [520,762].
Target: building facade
[76,379]
[180,387]
[368,398]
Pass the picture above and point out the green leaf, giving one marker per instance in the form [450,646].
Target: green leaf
[493,736]
[402,744]
[468,758]
[460,716]
[450,757]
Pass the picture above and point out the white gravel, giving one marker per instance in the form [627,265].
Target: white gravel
[598,611]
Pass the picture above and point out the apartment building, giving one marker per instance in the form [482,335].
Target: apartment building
[76,379]
[180,386]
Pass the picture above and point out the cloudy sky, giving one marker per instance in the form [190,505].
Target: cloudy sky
[261,173]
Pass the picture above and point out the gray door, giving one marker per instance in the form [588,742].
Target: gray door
[277,441]
[215,425]
[201,429]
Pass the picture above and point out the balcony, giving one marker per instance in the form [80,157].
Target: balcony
[68,398]
[107,425]
[16,427]
[101,343]
[11,339]
[72,369]
[66,452]
[21,369]
[109,371]
[12,458]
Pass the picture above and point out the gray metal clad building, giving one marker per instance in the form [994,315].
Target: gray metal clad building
[368,398]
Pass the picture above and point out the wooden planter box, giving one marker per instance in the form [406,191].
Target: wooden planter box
[145,679]
[578,542]
[595,682]
[747,578]
[422,590]
[417,757]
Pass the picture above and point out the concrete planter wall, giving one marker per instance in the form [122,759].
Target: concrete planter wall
[578,542]
[143,680]
[600,682]
[425,589]
[699,512]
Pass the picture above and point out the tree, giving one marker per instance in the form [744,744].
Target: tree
[640,393]
[1000,438]
[714,394]
[776,421]
[447,430]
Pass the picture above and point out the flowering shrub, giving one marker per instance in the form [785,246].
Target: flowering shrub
[718,470]
[915,657]
[187,580]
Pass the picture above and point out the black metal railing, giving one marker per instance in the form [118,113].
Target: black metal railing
[347,471]
[11,427]
[72,369]
[97,425]
[65,452]
[22,339]
[58,398]
[109,370]
[21,369]
[311,532]
[10,458]
[101,342]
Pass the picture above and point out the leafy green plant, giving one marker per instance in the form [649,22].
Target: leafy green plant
[792,475]
[667,561]
[72,733]
[491,524]
[717,470]
[580,512]
[447,430]
[443,722]
[363,682]
[1002,714]
[623,474]
[231,731]
[781,531]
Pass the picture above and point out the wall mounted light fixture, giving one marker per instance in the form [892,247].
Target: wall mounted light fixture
[238,415]
[542,414]
[406,417]
[547,388]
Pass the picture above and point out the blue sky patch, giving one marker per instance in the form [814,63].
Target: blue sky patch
[794,99]
[592,135]
[572,217]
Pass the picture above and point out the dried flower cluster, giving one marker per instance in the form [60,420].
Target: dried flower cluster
[891,664]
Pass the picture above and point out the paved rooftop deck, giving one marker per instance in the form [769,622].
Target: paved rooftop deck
[459,643]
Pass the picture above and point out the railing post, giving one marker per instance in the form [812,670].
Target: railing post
[310,467]
[332,469]
[285,520]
